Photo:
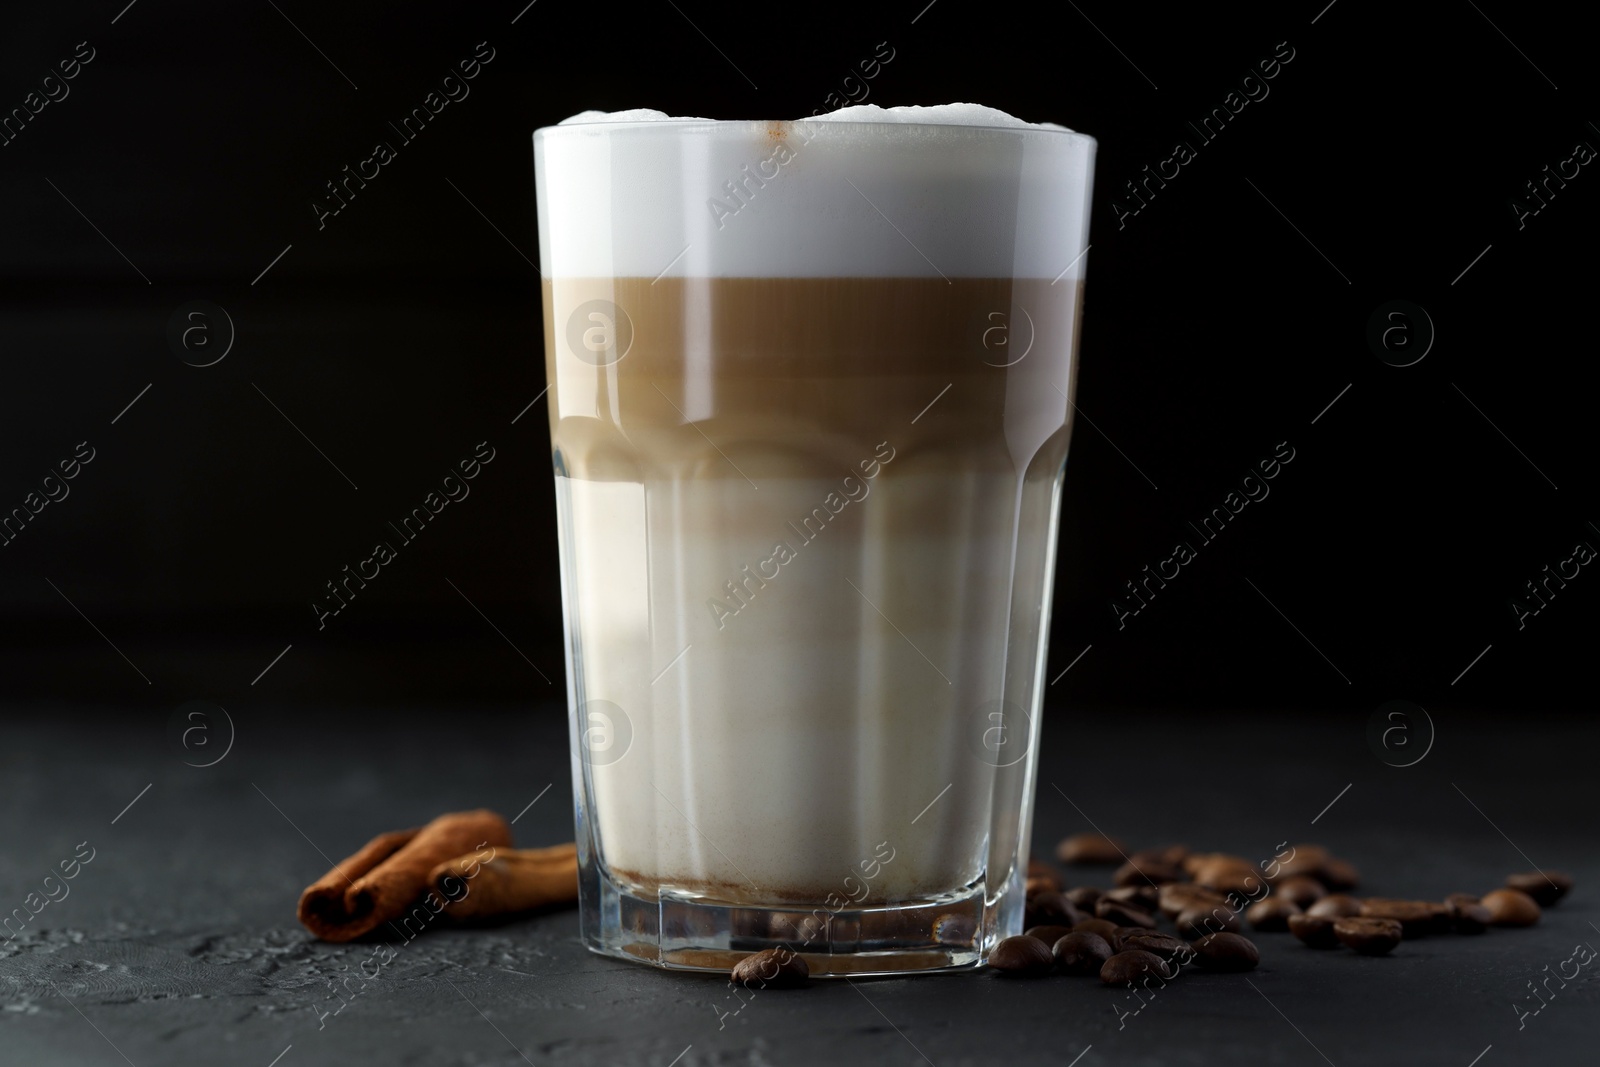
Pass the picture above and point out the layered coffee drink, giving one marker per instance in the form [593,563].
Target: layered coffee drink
[809,423]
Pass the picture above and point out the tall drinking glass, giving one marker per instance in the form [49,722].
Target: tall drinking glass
[810,394]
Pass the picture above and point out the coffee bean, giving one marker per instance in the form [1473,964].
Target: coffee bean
[1303,859]
[1226,952]
[1046,895]
[1338,875]
[1302,889]
[1173,855]
[1123,914]
[1044,907]
[1314,930]
[954,930]
[1021,957]
[1511,907]
[1134,966]
[1083,897]
[1090,848]
[1470,918]
[1039,871]
[1460,898]
[1417,918]
[1545,887]
[1081,953]
[1101,928]
[773,968]
[1271,913]
[1217,919]
[1226,874]
[1143,897]
[1048,934]
[1164,945]
[1175,898]
[805,931]
[1149,872]
[1119,940]
[1337,906]
[1370,937]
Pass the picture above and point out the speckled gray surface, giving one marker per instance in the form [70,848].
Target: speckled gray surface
[177,942]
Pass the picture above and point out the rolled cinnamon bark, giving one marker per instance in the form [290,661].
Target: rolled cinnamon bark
[507,881]
[383,879]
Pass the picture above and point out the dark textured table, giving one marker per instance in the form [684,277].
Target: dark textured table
[177,943]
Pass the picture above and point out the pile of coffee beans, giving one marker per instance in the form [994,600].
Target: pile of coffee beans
[1208,897]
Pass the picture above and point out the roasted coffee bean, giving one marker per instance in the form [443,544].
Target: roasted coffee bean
[1090,848]
[1443,918]
[1217,919]
[1314,930]
[1122,933]
[1417,918]
[1545,887]
[1469,918]
[1134,966]
[773,968]
[1370,937]
[1068,917]
[1461,898]
[1173,855]
[1227,874]
[1271,913]
[1303,859]
[1101,928]
[1050,897]
[1022,957]
[1338,876]
[1083,897]
[1039,871]
[1048,934]
[1123,914]
[1164,945]
[1176,898]
[1081,953]
[1143,897]
[1148,873]
[1337,906]
[1226,952]
[1511,907]
[1302,889]
[1043,907]
[954,930]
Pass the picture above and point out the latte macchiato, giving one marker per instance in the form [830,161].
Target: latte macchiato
[809,396]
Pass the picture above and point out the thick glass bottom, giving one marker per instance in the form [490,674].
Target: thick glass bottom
[686,931]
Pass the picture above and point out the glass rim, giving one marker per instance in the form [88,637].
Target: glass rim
[701,124]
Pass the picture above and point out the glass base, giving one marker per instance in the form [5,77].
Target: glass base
[687,931]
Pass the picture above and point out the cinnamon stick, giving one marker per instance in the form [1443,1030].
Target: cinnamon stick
[378,883]
[492,883]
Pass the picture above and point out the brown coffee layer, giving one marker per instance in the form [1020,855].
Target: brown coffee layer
[764,366]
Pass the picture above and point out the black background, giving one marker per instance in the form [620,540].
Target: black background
[406,330]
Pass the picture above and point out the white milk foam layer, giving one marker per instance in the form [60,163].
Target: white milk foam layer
[946,114]
[957,190]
